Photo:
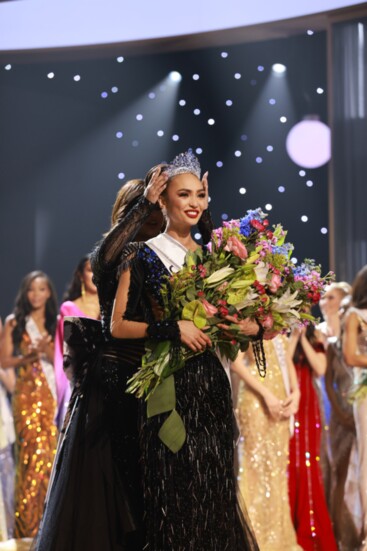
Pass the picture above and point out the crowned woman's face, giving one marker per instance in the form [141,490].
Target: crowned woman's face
[183,201]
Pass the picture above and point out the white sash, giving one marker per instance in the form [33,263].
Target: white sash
[172,254]
[47,367]
[280,352]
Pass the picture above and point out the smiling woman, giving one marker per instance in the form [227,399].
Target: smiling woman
[27,345]
[189,489]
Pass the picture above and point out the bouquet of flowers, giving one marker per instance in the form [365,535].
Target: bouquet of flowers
[246,272]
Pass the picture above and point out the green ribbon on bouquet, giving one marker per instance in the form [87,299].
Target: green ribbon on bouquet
[172,433]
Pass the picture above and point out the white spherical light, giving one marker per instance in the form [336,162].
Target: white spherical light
[309,143]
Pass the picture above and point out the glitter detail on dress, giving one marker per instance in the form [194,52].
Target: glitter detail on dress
[34,410]
[263,458]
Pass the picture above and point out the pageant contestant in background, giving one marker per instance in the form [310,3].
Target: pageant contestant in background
[355,354]
[328,331]
[95,499]
[80,300]
[338,382]
[27,346]
[190,496]
[307,497]
[265,408]
[330,302]
[7,438]
[344,498]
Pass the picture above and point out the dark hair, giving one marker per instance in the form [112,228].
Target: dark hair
[359,289]
[311,337]
[74,289]
[23,308]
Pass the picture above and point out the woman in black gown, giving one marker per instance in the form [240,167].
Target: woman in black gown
[94,501]
[190,501]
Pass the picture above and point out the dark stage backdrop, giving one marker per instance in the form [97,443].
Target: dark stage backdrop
[69,142]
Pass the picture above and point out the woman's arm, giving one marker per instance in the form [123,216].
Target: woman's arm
[122,328]
[272,403]
[292,344]
[7,348]
[7,378]
[350,343]
[107,255]
[291,403]
[317,360]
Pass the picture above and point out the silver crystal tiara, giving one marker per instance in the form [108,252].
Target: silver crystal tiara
[182,164]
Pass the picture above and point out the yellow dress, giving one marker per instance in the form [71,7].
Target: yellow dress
[34,408]
[263,456]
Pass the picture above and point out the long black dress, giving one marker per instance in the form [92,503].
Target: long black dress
[190,501]
[95,498]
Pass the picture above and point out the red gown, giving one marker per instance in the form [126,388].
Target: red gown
[306,491]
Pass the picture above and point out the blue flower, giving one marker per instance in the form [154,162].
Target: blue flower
[284,249]
[245,227]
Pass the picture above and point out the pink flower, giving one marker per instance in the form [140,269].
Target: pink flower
[267,322]
[275,283]
[223,286]
[235,246]
[210,310]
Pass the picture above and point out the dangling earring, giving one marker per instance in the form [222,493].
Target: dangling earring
[82,289]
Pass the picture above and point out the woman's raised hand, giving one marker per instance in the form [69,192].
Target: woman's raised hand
[193,337]
[156,186]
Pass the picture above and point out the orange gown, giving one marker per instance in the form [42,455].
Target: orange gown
[34,408]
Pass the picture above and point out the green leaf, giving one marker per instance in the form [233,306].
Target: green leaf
[195,311]
[242,283]
[172,433]
[307,316]
[191,293]
[176,362]
[163,398]
[154,351]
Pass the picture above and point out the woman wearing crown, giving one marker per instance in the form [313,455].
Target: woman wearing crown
[190,501]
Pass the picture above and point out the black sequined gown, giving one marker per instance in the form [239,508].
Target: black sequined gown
[190,501]
[95,501]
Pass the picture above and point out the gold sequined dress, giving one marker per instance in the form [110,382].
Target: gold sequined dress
[263,456]
[34,407]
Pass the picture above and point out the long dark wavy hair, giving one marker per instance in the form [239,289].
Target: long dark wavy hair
[74,289]
[23,308]
[359,289]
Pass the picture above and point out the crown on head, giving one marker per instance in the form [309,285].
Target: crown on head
[184,163]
